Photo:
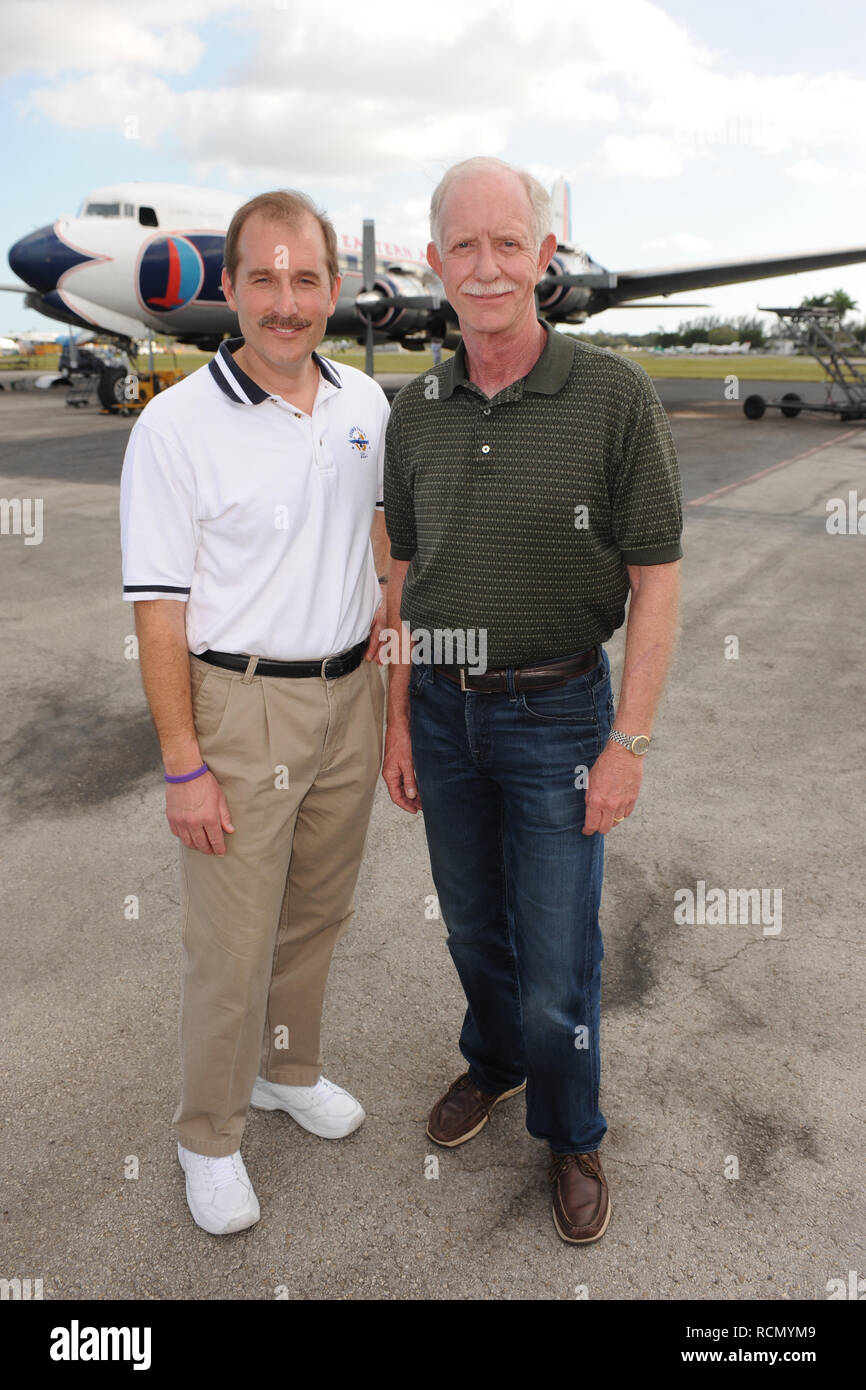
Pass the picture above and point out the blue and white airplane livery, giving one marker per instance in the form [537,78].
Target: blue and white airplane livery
[142,257]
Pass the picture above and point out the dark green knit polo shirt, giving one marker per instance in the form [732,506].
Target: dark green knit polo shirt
[520,513]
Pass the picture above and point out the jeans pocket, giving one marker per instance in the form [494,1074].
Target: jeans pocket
[572,703]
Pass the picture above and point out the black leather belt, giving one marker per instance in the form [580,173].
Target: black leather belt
[329,669]
[545,677]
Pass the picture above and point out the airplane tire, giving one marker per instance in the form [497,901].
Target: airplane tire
[111,388]
[791,411]
[754,407]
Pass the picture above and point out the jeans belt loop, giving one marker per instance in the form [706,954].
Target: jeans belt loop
[462,677]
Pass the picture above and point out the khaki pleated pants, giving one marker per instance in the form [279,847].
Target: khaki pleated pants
[298,760]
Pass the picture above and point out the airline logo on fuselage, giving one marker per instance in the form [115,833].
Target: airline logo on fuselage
[174,270]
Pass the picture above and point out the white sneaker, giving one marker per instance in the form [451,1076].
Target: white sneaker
[323,1109]
[219,1192]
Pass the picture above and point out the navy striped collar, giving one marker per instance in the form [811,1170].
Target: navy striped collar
[239,387]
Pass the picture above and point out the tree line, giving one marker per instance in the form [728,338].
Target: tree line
[758,331]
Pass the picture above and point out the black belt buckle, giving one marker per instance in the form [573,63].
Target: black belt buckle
[344,659]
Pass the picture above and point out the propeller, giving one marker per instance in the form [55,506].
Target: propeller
[368,272]
[370,299]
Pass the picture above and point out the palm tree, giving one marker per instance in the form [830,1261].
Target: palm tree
[839,300]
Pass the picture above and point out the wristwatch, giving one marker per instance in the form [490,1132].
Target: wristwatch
[635,743]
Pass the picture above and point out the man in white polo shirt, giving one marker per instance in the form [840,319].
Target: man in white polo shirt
[250,495]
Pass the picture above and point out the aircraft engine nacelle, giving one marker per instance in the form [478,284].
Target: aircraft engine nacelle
[393,318]
[562,300]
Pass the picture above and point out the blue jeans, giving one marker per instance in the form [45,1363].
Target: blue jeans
[519,886]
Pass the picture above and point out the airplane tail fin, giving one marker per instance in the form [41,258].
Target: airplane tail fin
[560,197]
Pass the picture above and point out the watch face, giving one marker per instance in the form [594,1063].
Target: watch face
[640,745]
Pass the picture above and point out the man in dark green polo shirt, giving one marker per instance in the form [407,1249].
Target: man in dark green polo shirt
[531,484]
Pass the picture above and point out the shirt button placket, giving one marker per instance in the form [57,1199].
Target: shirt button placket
[485,433]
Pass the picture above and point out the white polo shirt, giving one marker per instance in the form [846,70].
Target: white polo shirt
[256,514]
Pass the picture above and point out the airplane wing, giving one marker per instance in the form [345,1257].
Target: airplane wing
[638,284]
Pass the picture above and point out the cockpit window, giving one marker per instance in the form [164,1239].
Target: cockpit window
[102,210]
[147,217]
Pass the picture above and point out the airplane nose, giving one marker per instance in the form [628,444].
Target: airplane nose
[40,258]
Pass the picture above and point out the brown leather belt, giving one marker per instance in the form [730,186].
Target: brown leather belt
[544,677]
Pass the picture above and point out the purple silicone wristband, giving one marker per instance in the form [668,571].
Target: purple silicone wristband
[188,776]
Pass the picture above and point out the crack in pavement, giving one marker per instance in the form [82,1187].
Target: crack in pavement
[716,968]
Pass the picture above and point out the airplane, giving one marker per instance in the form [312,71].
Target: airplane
[142,258]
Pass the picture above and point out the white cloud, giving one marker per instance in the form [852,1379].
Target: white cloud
[816,172]
[677,241]
[771,113]
[349,92]
[644,156]
[811,171]
[54,36]
[359,94]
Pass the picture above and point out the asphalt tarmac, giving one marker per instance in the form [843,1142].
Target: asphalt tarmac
[732,1056]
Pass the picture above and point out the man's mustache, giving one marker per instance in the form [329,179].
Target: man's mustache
[482,287]
[294,322]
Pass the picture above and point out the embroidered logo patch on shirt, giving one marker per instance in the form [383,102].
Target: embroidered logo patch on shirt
[359,440]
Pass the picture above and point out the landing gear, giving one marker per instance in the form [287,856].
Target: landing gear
[112,388]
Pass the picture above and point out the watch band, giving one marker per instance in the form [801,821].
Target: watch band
[635,743]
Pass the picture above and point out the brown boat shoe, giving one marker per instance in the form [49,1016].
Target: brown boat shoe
[463,1111]
[581,1199]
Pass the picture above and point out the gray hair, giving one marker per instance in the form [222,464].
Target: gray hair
[482,164]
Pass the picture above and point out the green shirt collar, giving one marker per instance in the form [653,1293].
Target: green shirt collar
[548,376]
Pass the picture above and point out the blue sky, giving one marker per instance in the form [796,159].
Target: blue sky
[689,132]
